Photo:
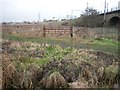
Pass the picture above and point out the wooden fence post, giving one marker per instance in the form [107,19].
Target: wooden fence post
[71,32]
[44,31]
[71,35]
[44,34]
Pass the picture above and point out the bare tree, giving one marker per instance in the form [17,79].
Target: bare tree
[90,11]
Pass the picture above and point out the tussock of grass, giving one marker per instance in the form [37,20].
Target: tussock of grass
[55,80]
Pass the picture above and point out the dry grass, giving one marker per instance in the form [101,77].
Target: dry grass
[55,80]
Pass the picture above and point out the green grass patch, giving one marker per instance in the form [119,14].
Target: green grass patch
[51,53]
[107,45]
[104,44]
[35,39]
[109,42]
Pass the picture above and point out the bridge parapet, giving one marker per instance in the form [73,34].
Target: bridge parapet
[112,18]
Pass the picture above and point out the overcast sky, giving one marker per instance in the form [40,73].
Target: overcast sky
[28,10]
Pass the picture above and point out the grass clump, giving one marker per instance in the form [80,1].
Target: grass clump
[55,80]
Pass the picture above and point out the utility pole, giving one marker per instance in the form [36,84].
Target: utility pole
[71,14]
[87,5]
[107,7]
[87,8]
[39,17]
[67,17]
[72,11]
[104,21]
[105,11]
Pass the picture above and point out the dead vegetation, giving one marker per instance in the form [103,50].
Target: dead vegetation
[55,80]
[81,68]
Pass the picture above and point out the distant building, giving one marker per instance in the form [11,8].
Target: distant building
[119,5]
